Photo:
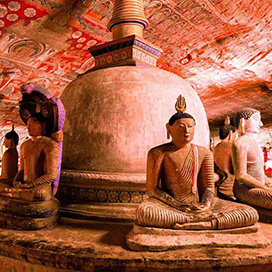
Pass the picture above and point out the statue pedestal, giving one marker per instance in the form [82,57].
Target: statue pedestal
[157,239]
[22,215]
[80,245]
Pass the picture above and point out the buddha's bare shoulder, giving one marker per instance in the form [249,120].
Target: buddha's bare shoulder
[26,143]
[11,152]
[203,150]
[48,143]
[223,145]
[242,142]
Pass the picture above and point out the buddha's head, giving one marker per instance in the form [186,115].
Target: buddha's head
[11,139]
[181,127]
[35,127]
[227,132]
[248,120]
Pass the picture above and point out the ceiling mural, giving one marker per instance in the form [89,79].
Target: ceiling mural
[222,47]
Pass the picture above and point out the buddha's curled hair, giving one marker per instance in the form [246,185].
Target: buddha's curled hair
[180,115]
[225,130]
[245,113]
[12,135]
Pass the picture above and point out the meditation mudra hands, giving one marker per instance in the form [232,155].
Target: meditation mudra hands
[194,207]
[19,185]
[199,207]
[16,185]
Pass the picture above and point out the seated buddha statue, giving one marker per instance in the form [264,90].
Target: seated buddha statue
[29,203]
[223,161]
[251,185]
[10,157]
[180,185]
[38,166]
[37,101]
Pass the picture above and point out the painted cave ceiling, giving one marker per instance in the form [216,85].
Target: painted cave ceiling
[222,47]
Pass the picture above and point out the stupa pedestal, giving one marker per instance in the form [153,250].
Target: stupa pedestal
[115,113]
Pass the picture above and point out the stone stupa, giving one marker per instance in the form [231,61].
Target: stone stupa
[115,113]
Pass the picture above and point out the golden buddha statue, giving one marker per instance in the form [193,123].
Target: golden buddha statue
[10,157]
[29,203]
[180,185]
[223,161]
[251,184]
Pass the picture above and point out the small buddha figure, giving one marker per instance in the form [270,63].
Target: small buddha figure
[180,185]
[223,162]
[251,184]
[28,203]
[38,166]
[10,157]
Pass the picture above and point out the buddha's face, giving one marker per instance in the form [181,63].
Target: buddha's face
[34,127]
[182,131]
[254,123]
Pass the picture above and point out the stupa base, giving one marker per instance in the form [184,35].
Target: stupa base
[101,196]
[111,212]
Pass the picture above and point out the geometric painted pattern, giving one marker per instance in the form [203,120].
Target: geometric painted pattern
[88,195]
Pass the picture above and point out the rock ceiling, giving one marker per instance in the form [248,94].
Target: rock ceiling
[222,47]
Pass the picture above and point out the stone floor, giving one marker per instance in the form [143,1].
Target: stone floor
[77,245]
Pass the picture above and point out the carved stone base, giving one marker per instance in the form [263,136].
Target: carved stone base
[81,245]
[156,239]
[113,212]
[22,223]
[100,196]
[21,215]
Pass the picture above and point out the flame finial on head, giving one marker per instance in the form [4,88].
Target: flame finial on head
[227,120]
[180,105]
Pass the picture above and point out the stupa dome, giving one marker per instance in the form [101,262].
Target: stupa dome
[115,115]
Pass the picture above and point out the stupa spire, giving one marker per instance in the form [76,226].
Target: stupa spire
[128,19]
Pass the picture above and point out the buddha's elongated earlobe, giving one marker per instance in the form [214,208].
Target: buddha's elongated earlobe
[242,124]
[168,132]
[230,136]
